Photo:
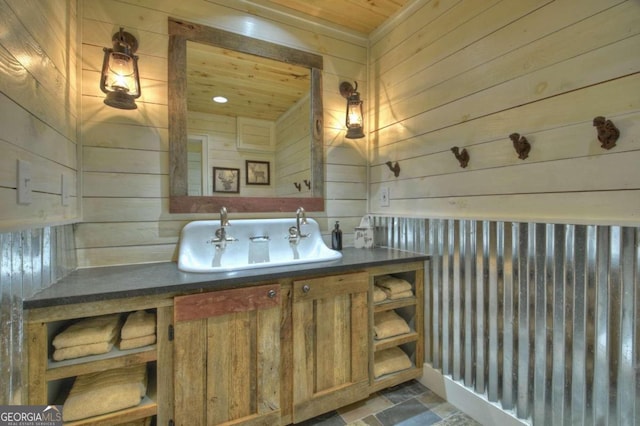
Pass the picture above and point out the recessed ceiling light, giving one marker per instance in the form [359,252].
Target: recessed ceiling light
[220,99]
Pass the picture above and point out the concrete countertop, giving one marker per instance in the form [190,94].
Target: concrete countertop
[114,282]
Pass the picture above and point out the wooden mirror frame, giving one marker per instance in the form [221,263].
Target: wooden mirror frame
[179,33]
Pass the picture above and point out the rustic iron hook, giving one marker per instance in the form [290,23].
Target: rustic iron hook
[521,145]
[462,156]
[395,168]
[608,133]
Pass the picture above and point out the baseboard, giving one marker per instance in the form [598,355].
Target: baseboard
[476,406]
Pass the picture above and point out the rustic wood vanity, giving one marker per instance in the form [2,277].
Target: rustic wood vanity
[263,346]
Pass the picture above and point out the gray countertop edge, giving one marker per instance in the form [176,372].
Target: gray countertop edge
[116,282]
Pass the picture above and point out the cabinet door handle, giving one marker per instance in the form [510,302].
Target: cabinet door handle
[271,294]
[306,288]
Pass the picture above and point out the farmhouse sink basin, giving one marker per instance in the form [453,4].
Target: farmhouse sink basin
[205,246]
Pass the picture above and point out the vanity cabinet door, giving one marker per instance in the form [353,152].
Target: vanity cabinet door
[227,357]
[330,343]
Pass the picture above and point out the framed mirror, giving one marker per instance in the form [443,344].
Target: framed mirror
[294,78]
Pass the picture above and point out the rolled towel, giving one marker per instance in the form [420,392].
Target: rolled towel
[378,295]
[98,329]
[139,324]
[388,324]
[392,284]
[106,391]
[84,350]
[137,342]
[390,361]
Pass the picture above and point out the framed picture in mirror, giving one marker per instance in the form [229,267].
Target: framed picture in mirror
[226,180]
[258,172]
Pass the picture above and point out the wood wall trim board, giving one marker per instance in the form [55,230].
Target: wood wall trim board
[584,207]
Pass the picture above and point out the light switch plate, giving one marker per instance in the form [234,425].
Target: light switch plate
[384,196]
[24,182]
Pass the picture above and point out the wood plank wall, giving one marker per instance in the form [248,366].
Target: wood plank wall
[292,159]
[38,104]
[468,74]
[126,197]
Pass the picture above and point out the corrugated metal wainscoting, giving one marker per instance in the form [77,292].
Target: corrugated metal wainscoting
[543,319]
[31,260]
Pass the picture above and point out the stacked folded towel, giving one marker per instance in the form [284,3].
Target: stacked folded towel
[378,294]
[390,361]
[388,324]
[89,336]
[138,330]
[394,288]
[106,391]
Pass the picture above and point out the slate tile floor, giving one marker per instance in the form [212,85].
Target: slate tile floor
[409,404]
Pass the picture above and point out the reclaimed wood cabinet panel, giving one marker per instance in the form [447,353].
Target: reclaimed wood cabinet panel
[330,343]
[227,357]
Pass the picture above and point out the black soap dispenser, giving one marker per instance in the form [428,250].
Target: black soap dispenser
[336,237]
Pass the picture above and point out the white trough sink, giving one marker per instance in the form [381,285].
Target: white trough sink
[251,243]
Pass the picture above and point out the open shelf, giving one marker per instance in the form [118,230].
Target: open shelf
[93,363]
[394,304]
[379,345]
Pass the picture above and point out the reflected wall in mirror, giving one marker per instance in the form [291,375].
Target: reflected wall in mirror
[273,115]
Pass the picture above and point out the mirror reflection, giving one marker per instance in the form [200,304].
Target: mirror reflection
[261,149]
[253,114]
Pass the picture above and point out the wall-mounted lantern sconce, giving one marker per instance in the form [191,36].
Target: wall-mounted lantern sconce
[355,116]
[120,79]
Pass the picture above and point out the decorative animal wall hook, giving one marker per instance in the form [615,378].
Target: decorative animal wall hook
[608,133]
[462,156]
[297,185]
[395,168]
[307,183]
[521,145]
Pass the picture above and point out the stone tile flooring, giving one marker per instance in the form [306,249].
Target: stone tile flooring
[409,404]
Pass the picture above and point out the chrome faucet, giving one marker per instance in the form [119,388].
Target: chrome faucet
[295,234]
[221,238]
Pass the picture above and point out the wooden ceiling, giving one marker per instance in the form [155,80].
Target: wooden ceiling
[263,88]
[359,15]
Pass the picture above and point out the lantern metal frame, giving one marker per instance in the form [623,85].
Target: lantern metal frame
[125,45]
[350,93]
